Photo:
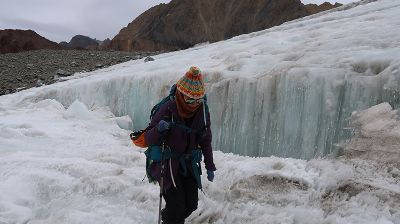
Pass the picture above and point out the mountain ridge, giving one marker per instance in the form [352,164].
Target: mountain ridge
[14,40]
[181,24]
[177,25]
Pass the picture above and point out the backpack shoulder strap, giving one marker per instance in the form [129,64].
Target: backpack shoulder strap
[171,96]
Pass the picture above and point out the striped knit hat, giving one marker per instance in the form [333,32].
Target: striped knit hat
[191,84]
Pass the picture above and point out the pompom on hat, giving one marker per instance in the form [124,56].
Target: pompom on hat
[192,84]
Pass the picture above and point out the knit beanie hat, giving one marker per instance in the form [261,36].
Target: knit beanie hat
[191,84]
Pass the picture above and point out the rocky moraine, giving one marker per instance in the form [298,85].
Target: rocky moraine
[29,69]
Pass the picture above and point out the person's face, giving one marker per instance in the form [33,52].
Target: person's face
[191,101]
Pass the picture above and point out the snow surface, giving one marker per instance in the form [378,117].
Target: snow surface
[59,165]
[65,155]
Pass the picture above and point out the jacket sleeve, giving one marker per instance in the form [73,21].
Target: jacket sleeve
[152,136]
[206,147]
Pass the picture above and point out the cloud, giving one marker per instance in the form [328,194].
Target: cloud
[62,19]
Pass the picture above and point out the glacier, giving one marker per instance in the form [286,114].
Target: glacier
[296,90]
[287,91]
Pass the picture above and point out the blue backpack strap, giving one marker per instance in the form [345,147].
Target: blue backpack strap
[154,154]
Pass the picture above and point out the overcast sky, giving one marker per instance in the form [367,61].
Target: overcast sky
[60,20]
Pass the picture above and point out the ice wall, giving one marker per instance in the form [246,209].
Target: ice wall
[296,112]
[301,112]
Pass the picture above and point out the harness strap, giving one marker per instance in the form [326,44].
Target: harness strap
[186,128]
[195,158]
[154,154]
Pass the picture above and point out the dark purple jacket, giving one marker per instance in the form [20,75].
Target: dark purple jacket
[179,140]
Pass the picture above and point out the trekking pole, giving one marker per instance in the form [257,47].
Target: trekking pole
[162,179]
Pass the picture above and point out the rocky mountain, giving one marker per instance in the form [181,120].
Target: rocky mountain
[314,8]
[13,41]
[183,23]
[80,42]
[104,44]
[177,25]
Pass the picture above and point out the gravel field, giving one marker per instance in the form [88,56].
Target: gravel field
[23,70]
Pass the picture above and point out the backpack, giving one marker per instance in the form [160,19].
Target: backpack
[154,152]
[137,137]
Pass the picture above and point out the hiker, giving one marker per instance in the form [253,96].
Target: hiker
[183,123]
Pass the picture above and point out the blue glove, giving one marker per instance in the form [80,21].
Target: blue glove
[162,126]
[210,175]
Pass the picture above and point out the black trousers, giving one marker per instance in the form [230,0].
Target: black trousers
[180,201]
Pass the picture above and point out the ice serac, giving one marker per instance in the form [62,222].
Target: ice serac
[296,112]
[301,112]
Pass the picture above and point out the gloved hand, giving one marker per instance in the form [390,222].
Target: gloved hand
[162,126]
[210,175]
